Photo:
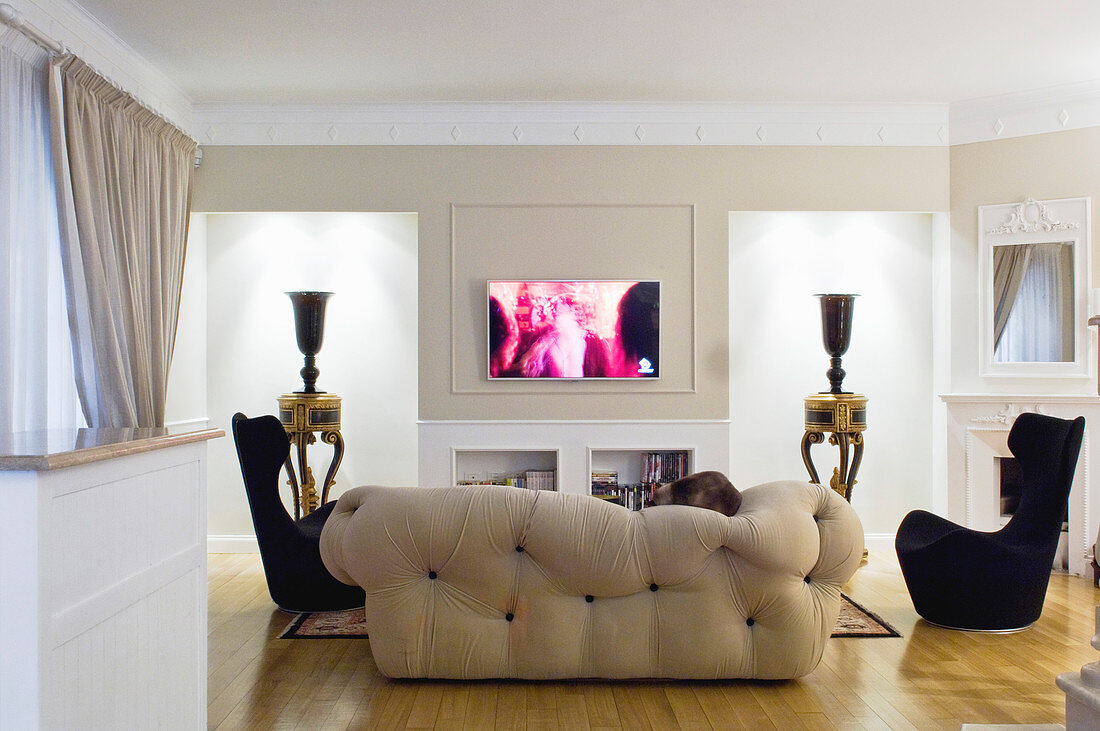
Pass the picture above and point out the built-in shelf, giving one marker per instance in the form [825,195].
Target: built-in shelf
[637,466]
[453,451]
[506,466]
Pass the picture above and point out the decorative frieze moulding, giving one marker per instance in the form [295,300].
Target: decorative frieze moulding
[572,124]
[695,124]
[1020,221]
[1008,414]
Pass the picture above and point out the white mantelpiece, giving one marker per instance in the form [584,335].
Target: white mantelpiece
[977,434]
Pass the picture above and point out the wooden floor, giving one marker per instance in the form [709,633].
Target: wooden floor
[928,679]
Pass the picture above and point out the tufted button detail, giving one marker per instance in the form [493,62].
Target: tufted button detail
[509,616]
[816,518]
[653,587]
[432,574]
[750,621]
[589,598]
[519,549]
[806,579]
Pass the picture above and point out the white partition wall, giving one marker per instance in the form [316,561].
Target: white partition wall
[368,357]
[778,261]
[103,587]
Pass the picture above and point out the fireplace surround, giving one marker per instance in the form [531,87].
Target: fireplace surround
[977,437]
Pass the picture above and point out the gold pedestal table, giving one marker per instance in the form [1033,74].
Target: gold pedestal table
[844,417]
[303,415]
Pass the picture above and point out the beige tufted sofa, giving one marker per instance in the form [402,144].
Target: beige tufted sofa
[500,582]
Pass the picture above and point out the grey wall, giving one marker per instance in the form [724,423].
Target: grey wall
[692,256]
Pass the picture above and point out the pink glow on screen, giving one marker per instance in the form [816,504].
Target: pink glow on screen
[579,329]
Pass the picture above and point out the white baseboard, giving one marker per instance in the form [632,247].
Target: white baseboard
[232,544]
[879,542]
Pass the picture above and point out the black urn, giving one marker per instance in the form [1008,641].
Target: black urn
[309,329]
[836,332]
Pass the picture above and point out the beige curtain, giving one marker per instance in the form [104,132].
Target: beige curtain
[123,177]
[1009,266]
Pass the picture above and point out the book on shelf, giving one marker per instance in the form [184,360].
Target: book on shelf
[605,477]
[605,482]
[529,479]
[540,479]
[661,467]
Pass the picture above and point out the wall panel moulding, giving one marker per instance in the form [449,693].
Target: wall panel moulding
[573,124]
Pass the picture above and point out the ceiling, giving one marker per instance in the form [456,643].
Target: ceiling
[810,51]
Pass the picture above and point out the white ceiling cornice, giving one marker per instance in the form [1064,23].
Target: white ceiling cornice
[1072,106]
[552,123]
[94,43]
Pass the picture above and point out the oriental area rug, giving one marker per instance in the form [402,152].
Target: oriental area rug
[854,621]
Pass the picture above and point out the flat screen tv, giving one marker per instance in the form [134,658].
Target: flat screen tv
[574,330]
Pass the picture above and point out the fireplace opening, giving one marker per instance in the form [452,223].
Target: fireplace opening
[1010,478]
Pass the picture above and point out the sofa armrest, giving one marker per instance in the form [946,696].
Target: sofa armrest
[802,528]
[332,549]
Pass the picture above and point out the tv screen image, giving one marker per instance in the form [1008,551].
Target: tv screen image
[574,329]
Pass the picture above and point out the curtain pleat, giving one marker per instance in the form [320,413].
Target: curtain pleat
[1009,266]
[124,178]
[37,389]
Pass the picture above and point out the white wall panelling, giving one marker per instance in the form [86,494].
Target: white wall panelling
[104,612]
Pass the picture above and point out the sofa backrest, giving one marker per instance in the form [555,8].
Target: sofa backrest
[483,581]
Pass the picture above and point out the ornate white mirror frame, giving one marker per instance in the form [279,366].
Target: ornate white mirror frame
[1064,221]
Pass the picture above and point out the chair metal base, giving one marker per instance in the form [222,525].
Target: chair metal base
[1014,630]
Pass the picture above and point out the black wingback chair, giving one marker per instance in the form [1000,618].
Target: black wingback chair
[967,579]
[290,549]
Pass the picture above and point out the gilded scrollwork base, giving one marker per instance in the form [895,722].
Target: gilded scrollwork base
[303,416]
[809,439]
[337,441]
[844,418]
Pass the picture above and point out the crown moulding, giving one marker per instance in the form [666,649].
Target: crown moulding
[687,124]
[571,124]
[1071,106]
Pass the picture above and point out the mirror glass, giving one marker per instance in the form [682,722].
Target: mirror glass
[1033,298]
[1033,261]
